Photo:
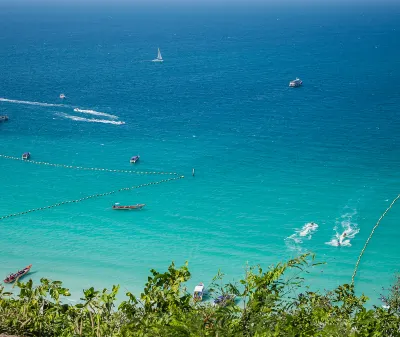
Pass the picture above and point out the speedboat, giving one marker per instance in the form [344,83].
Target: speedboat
[26,155]
[296,83]
[134,159]
[127,208]
[13,277]
[223,300]
[198,292]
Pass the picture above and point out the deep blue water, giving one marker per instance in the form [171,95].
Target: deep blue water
[269,159]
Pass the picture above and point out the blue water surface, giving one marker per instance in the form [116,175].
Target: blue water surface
[268,158]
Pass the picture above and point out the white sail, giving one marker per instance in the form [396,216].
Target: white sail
[159,57]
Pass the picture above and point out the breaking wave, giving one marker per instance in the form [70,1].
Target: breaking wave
[96,113]
[90,120]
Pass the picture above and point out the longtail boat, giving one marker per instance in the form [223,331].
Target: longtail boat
[119,207]
[11,278]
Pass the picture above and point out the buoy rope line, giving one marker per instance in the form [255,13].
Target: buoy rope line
[87,168]
[370,236]
[98,195]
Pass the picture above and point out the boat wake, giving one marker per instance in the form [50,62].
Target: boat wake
[95,113]
[112,119]
[90,120]
[28,102]
[294,241]
[345,230]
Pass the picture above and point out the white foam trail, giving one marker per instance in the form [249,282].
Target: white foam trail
[28,102]
[293,243]
[308,229]
[295,240]
[90,120]
[348,230]
[86,111]
[342,239]
[96,113]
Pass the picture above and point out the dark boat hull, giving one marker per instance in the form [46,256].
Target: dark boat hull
[13,277]
[134,159]
[127,208]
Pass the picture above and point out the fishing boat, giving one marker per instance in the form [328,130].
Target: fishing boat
[198,292]
[26,155]
[117,206]
[296,83]
[134,159]
[223,300]
[13,277]
[159,57]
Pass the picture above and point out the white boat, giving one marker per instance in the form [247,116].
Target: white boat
[198,292]
[296,83]
[159,57]
[62,96]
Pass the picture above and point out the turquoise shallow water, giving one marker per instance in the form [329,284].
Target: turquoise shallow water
[268,159]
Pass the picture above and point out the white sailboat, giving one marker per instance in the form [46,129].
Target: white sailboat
[159,57]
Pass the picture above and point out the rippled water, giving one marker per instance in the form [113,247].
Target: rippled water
[268,159]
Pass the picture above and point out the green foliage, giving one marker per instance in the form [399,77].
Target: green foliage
[267,303]
[392,300]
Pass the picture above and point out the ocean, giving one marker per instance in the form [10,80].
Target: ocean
[278,171]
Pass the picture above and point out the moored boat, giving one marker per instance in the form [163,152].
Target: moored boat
[13,277]
[26,155]
[62,96]
[198,292]
[296,83]
[134,159]
[3,118]
[120,207]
